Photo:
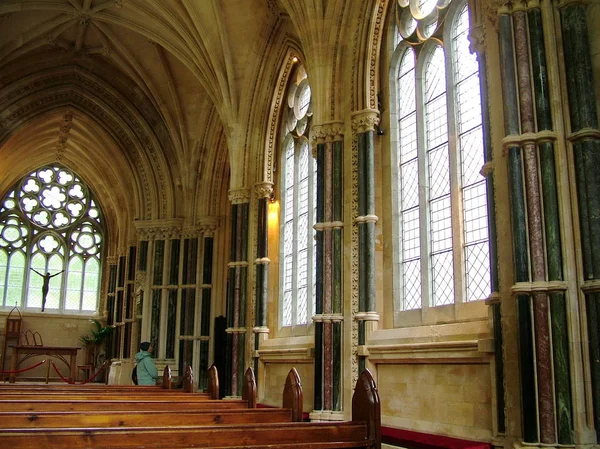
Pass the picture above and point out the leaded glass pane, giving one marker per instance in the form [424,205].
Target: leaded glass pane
[3,271]
[411,291]
[74,281]
[443,278]
[16,279]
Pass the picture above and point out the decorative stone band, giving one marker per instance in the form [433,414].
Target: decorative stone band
[538,287]
[239,196]
[240,263]
[328,318]
[591,286]
[194,337]
[365,120]
[236,330]
[326,415]
[261,330]
[158,229]
[328,225]
[262,261]
[585,134]
[494,298]
[366,316]
[366,219]
[263,189]
[487,169]
[291,355]
[112,260]
[519,140]
[467,351]
[130,320]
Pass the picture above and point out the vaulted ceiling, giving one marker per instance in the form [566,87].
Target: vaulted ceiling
[119,86]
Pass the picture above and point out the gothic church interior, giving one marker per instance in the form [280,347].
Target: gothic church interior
[404,186]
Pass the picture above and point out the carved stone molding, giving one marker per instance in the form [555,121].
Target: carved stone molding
[327,132]
[263,189]
[239,196]
[208,225]
[365,120]
[140,281]
[158,229]
[112,260]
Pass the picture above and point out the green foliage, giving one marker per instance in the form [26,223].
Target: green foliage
[98,334]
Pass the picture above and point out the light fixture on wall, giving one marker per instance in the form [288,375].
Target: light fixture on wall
[273,212]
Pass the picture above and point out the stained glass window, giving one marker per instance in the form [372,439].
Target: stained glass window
[438,127]
[51,236]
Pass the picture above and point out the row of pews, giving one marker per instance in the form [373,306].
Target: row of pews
[107,416]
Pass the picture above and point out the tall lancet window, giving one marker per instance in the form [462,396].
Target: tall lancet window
[298,205]
[51,236]
[440,210]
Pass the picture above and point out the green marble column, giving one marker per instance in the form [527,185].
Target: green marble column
[328,317]
[519,227]
[237,290]
[558,318]
[585,138]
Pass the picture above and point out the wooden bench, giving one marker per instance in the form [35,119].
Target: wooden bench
[142,418]
[362,432]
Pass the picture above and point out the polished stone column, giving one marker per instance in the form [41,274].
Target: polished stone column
[363,125]
[236,300]
[328,316]
[519,225]
[263,192]
[585,140]
[554,259]
[536,238]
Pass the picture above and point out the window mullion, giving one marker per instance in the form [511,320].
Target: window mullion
[423,189]
[295,238]
[455,180]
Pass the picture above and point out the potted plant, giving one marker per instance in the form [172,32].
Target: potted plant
[93,342]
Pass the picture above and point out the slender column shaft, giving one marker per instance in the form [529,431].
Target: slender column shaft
[586,155]
[319,328]
[536,239]
[517,204]
[558,318]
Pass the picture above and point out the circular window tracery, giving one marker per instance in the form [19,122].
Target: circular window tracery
[52,198]
[46,220]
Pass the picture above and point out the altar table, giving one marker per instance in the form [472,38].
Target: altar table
[60,352]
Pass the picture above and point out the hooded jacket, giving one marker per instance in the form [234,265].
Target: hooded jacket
[146,369]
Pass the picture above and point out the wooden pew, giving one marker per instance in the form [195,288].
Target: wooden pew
[142,418]
[362,432]
[149,403]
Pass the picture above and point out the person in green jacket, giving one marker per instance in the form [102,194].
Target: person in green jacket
[146,369]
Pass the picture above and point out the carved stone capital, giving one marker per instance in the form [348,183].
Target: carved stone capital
[190,232]
[208,225]
[327,132]
[239,196]
[112,260]
[365,120]
[477,39]
[263,189]
[158,229]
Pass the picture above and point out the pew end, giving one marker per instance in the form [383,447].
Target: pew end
[213,382]
[188,380]
[293,397]
[167,380]
[366,406]
[249,388]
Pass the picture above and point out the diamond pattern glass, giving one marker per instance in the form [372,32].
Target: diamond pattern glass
[443,278]
[478,271]
[412,285]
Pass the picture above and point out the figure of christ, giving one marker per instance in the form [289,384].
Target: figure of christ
[46,284]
